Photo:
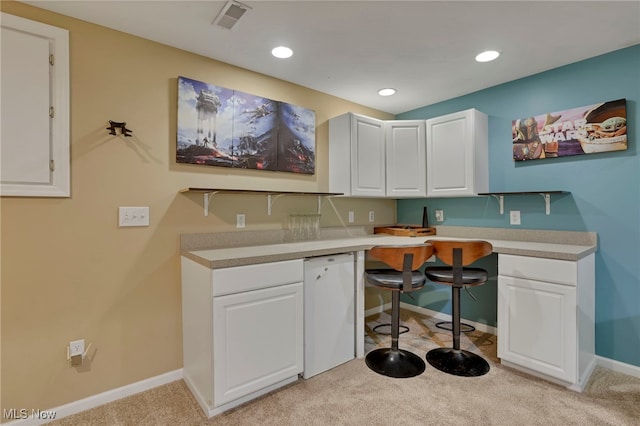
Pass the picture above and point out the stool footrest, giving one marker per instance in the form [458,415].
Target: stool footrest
[403,329]
[448,325]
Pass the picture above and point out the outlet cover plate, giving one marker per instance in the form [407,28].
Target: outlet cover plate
[76,348]
[514,217]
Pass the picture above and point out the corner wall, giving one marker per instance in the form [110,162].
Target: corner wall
[604,188]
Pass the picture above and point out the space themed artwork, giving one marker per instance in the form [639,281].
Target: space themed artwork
[229,128]
[601,127]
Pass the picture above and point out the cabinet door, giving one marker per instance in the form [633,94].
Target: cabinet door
[406,159]
[34,140]
[457,154]
[329,312]
[537,326]
[258,340]
[367,157]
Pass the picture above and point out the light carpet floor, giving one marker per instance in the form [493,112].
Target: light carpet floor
[351,394]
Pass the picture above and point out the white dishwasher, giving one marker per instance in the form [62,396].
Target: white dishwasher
[329,312]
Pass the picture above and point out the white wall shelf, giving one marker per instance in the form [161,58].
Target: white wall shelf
[546,195]
[272,196]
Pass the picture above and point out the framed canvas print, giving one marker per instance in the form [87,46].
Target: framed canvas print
[590,129]
[255,132]
[229,128]
[204,124]
[296,139]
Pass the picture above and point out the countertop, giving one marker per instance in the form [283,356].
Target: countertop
[556,245]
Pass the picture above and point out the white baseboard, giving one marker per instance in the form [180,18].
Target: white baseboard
[378,309]
[153,382]
[99,399]
[446,317]
[618,367]
[429,313]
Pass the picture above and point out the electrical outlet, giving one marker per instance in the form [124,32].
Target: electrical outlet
[76,348]
[240,220]
[439,215]
[372,216]
[133,216]
[514,217]
[351,217]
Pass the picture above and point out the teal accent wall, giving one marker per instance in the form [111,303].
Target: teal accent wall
[604,188]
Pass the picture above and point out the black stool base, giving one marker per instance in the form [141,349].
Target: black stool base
[458,362]
[399,363]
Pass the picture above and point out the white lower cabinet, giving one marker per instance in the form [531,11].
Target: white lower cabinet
[546,317]
[243,330]
[257,340]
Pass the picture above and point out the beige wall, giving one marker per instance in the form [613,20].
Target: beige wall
[69,272]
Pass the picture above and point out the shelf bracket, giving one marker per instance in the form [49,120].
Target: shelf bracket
[270,200]
[500,199]
[547,203]
[207,200]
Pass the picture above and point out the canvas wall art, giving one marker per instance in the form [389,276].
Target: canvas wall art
[590,129]
[229,128]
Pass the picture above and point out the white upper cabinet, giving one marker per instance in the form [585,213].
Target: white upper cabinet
[375,158]
[357,156]
[405,159]
[34,92]
[457,154]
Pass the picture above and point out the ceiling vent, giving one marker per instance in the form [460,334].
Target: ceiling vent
[230,14]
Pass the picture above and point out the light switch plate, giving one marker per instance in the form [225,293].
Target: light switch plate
[133,216]
[240,220]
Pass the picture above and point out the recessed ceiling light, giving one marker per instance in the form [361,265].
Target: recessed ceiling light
[487,56]
[282,52]
[386,92]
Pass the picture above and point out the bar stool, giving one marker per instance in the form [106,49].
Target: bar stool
[403,277]
[458,254]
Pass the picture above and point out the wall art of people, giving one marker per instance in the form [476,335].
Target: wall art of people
[590,129]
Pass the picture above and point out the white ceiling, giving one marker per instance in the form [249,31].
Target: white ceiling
[350,49]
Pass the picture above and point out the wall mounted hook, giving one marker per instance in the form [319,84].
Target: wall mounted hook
[116,125]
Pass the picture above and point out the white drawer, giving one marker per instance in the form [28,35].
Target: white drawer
[537,268]
[251,277]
